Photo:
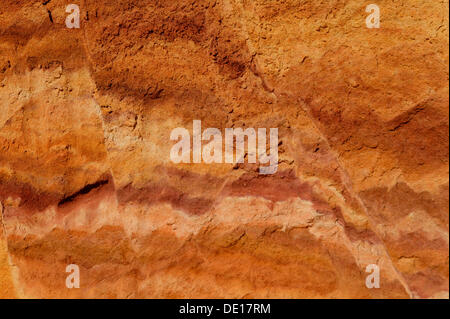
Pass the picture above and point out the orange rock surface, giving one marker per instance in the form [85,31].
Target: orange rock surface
[86,177]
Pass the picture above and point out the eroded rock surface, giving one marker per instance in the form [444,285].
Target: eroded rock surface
[86,177]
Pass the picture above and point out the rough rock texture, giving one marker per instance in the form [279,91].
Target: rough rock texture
[86,178]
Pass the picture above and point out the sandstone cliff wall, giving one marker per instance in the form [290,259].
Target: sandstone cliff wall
[86,178]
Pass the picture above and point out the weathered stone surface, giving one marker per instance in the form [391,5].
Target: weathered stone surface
[86,177]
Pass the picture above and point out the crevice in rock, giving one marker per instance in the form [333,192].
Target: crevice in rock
[50,16]
[85,190]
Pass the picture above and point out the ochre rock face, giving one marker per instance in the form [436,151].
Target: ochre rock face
[86,176]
